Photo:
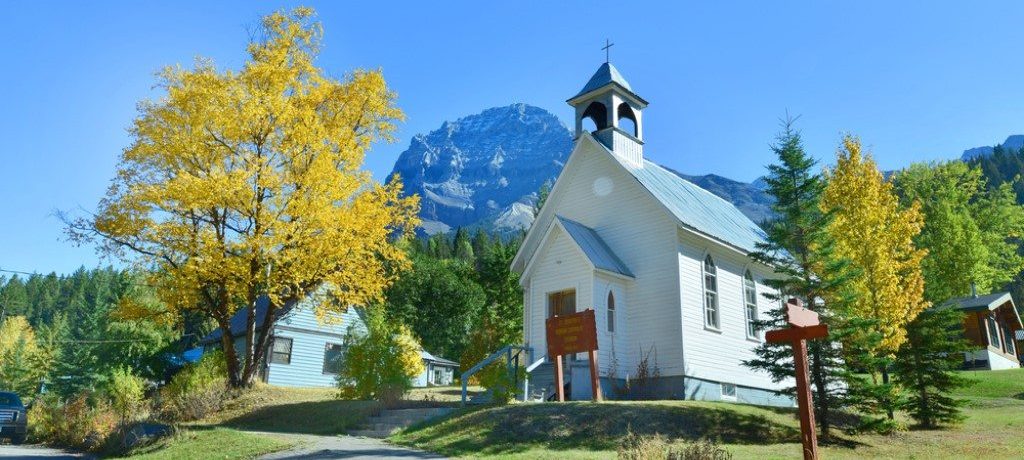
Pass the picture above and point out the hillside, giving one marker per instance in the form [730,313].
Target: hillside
[485,170]
[995,411]
[1014,142]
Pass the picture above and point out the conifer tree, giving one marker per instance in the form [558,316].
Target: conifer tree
[800,250]
[925,366]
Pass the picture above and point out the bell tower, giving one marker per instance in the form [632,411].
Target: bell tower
[615,111]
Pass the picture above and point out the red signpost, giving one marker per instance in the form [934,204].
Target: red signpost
[804,326]
[573,333]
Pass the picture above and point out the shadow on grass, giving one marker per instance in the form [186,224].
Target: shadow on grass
[590,426]
[314,417]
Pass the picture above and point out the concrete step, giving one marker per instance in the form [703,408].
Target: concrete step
[390,421]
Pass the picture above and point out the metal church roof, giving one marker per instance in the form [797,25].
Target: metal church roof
[594,247]
[698,208]
[605,74]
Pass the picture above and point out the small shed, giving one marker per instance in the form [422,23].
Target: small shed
[993,326]
[437,371]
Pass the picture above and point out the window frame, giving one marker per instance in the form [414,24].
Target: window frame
[610,307]
[750,307]
[725,396]
[994,337]
[341,356]
[711,301]
[274,353]
[558,295]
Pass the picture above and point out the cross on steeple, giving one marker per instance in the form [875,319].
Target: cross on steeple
[607,54]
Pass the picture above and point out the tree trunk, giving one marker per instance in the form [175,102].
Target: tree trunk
[250,331]
[258,351]
[817,374]
[888,395]
[227,345]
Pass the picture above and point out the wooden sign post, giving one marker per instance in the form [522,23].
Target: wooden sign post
[804,325]
[573,333]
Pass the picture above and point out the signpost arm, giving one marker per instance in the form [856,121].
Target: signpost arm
[803,393]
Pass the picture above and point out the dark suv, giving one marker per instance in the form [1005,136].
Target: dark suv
[13,418]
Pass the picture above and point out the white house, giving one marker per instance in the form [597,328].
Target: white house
[663,262]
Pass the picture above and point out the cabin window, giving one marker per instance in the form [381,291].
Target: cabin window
[334,356]
[728,391]
[562,303]
[993,331]
[611,312]
[1008,341]
[438,376]
[750,296]
[281,351]
[710,293]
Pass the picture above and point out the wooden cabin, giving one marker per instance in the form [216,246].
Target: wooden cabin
[993,326]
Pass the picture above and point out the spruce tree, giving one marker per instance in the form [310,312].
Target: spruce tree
[925,366]
[799,248]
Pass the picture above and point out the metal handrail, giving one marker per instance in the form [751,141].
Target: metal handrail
[503,351]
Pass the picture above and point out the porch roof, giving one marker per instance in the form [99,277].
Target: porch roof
[980,303]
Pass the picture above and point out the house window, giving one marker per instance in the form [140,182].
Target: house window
[1008,341]
[993,331]
[334,355]
[562,303]
[728,391]
[611,312]
[438,376]
[750,296]
[710,293]
[281,351]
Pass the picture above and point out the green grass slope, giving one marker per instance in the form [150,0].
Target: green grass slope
[994,428]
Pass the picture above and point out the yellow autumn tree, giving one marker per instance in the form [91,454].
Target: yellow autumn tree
[876,235]
[243,184]
[23,361]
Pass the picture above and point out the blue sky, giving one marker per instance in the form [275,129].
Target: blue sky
[916,80]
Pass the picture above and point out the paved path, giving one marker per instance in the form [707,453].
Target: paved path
[27,452]
[312,447]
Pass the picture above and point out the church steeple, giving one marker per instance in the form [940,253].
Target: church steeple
[610,104]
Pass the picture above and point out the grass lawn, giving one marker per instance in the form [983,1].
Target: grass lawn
[203,443]
[994,428]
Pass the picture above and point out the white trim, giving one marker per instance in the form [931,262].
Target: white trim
[704,293]
[735,391]
[746,303]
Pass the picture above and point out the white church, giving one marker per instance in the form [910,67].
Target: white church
[663,262]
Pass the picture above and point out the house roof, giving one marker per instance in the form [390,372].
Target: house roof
[427,356]
[594,247]
[697,208]
[981,302]
[238,321]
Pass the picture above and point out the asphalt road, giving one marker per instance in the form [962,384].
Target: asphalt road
[8,451]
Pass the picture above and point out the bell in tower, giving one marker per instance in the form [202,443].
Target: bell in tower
[614,114]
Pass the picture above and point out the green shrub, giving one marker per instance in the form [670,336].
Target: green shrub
[84,422]
[126,393]
[197,391]
[380,362]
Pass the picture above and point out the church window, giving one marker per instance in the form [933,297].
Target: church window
[711,317]
[750,296]
[611,312]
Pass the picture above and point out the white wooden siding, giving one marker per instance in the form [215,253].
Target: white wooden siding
[719,355]
[561,266]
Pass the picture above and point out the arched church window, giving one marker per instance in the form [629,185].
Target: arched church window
[750,296]
[627,119]
[595,115]
[711,317]
[611,311]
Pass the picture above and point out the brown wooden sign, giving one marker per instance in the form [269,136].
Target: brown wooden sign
[573,333]
[804,325]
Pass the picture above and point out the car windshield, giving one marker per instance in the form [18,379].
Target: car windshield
[9,399]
